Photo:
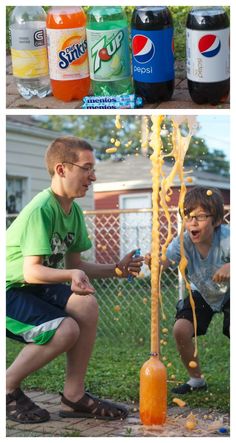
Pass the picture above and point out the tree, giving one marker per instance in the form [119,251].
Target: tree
[102,129]
[130,135]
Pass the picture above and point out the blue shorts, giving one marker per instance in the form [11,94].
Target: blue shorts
[34,312]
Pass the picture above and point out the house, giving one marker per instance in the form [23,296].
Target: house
[127,185]
[26,143]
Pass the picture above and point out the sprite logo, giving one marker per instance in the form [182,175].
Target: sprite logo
[104,50]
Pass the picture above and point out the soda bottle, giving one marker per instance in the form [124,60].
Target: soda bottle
[152,53]
[153,392]
[207,52]
[67,52]
[108,47]
[29,51]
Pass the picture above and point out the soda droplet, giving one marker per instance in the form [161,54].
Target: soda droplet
[179,402]
[192,364]
[111,150]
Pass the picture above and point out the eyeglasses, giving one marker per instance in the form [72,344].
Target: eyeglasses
[87,169]
[200,217]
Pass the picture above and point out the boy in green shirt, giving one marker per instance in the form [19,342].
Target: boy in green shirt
[44,311]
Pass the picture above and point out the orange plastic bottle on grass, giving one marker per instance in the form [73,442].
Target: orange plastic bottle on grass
[153,392]
[67,52]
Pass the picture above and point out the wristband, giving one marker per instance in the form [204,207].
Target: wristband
[118,271]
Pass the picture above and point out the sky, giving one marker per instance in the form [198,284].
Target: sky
[215,129]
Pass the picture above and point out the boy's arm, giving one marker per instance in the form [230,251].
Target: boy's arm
[36,273]
[222,274]
[128,265]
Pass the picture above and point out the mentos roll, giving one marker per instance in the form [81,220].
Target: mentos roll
[152,53]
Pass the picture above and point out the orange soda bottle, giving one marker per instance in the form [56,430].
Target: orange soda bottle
[67,52]
[153,392]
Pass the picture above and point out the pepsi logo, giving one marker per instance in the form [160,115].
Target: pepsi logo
[209,45]
[143,48]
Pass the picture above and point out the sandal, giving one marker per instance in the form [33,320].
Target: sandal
[22,409]
[90,406]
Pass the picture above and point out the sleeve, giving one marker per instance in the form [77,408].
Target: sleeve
[82,242]
[173,252]
[35,238]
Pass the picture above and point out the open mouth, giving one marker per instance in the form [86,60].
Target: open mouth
[195,233]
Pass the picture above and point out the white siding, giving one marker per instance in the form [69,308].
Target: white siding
[25,149]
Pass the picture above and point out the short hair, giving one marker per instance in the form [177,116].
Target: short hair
[210,199]
[64,149]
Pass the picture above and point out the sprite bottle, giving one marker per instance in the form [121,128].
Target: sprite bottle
[108,49]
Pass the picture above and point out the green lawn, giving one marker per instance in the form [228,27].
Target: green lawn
[114,368]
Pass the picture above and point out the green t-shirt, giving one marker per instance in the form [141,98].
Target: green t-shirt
[43,228]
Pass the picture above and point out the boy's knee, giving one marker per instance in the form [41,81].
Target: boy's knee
[69,331]
[92,308]
[84,309]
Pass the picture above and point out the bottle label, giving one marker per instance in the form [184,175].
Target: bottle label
[109,54]
[67,54]
[208,55]
[153,55]
[28,51]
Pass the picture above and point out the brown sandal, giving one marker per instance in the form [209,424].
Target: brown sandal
[22,409]
[92,407]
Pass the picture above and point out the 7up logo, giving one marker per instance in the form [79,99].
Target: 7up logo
[104,49]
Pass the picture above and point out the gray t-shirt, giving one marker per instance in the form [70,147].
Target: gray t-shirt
[200,270]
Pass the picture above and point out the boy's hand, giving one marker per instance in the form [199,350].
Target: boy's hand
[80,283]
[222,274]
[148,260]
[130,265]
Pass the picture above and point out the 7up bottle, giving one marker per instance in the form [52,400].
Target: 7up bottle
[108,49]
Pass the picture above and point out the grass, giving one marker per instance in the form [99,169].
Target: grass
[115,364]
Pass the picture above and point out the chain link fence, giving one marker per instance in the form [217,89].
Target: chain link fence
[125,306]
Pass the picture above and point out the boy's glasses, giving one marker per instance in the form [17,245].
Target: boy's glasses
[200,217]
[87,169]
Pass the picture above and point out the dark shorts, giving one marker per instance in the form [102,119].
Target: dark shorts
[34,312]
[204,313]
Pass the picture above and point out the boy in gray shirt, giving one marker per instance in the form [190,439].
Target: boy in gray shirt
[207,249]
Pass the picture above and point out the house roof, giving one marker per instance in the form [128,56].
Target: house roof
[135,173]
[27,124]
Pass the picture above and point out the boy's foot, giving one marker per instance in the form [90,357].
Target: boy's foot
[92,407]
[22,409]
[185,388]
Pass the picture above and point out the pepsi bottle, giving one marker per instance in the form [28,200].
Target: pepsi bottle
[152,53]
[207,53]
